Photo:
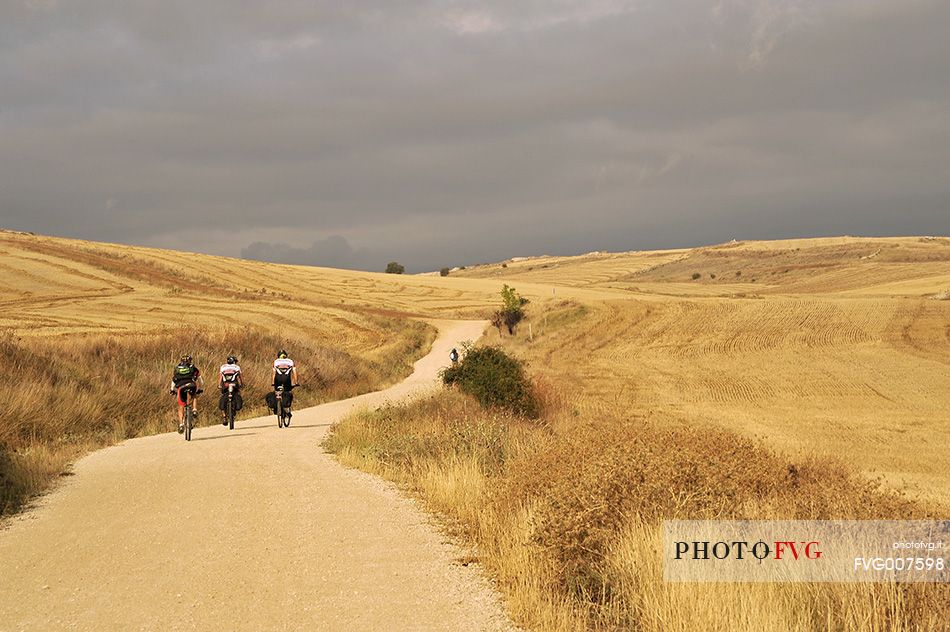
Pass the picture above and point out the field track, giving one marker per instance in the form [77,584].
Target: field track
[254,529]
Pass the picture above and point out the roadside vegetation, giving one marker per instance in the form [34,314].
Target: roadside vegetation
[564,508]
[68,395]
[511,312]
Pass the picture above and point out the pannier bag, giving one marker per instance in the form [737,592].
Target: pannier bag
[238,401]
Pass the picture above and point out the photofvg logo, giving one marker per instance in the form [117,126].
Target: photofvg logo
[761,550]
[806,551]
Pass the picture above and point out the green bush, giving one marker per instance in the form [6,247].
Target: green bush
[495,379]
[444,272]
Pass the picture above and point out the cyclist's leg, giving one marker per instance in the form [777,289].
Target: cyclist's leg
[181,405]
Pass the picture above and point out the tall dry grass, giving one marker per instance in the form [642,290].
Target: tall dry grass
[65,396]
[566,515]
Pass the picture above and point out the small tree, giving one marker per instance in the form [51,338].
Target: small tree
[512,310]
[444,272]
[394,267]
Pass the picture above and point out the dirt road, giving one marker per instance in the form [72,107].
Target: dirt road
[252,529]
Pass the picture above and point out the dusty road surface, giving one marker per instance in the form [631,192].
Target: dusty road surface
[252,529]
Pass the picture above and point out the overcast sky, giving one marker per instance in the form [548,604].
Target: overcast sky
[442,133]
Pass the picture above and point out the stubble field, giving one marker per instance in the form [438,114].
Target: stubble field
[828,358]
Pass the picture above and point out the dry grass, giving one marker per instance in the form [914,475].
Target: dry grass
[794,351]
[66,396]
[566,515]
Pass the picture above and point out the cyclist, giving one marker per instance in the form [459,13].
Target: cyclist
[186,378]
[454,355]
[230,373]
[285,374]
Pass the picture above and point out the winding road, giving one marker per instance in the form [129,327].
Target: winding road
[252,529]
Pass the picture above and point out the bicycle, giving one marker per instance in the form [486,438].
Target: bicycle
[229,408]
[188,419]
[283,415]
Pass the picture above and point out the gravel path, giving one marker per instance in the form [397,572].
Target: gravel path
[252,529]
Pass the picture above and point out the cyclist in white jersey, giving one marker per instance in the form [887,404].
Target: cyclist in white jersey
[285,375]
[230,373]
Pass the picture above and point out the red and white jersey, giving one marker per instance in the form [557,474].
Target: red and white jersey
[283,365]
[229,372]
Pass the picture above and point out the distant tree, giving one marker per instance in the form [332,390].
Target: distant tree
[512,309]
[444,272]
[394,267]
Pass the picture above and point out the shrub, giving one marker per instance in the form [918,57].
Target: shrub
[444,272]
[696,275]
[394,267]
[495,379]
[511,312]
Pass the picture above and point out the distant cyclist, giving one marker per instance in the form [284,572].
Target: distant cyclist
[230,373]
[186,378]
[285,375]
[454,355]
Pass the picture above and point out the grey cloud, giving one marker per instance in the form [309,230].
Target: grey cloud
[333,252]
[439,133]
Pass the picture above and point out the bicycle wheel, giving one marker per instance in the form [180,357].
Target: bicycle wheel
[189,420]
[230,415]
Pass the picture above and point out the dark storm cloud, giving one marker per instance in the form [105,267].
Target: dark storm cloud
[439,133]
[333,252]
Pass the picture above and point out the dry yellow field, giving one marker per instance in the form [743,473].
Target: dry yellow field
[826,345]
[830,346]
[57,286]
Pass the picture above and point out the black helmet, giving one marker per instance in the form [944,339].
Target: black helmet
[281,354]
[232,359]
[186,359]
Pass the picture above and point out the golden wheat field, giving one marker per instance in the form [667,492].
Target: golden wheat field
[763,381]
[834,346]
[823,350]
[831,345]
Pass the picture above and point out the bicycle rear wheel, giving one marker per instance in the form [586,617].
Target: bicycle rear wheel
[230,415]
[189,420]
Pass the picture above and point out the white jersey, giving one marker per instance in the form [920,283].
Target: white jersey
[229,372]
[283,365]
